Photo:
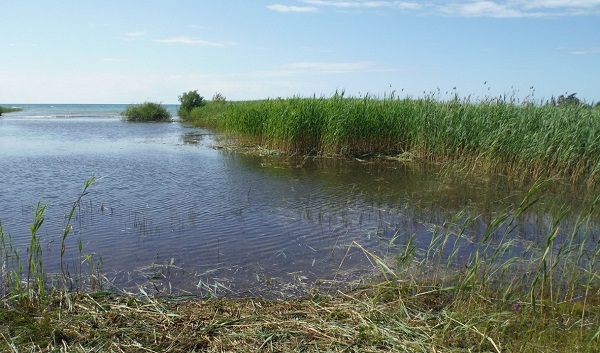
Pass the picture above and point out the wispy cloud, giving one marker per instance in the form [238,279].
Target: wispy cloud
[334,67]
[133,35]
[365,4]
[559,3]
[193,41]
[482,9]
[581,51]
[472,8]
[285,8]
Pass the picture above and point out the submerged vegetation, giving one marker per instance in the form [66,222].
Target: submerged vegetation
[147,112]
[496,134]
[506,295]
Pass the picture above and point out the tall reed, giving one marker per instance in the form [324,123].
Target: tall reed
[29,281]
[544,281]
[494,134]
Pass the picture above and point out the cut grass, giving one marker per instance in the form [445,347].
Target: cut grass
[391,316]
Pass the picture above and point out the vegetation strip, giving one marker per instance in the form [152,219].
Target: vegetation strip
[9,110]
[527,139]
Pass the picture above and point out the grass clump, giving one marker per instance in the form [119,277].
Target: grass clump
[147,112]
[495,135]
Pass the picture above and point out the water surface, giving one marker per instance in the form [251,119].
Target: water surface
[172,214]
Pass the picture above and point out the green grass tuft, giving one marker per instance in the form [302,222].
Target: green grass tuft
[147,112]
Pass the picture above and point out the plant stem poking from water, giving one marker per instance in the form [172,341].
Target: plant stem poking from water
[35,270]
[69,226]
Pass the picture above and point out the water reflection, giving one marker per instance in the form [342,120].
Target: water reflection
[194,137]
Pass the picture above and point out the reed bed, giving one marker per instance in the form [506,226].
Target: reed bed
[495,134]
[504,295]
[9,110]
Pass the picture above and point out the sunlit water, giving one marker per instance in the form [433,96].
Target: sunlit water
[172,214]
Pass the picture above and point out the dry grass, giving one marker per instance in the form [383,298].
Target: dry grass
[391,316]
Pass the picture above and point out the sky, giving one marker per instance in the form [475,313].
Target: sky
[133,51]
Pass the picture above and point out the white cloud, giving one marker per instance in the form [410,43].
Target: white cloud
[340,4]
[333,67]
[193,41]
[133,35]
[404,5]
[474,8]
[284,8]
[520,8]
[559,3]
[481,9]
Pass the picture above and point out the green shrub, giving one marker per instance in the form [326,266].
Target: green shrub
[147,112]
[189,101]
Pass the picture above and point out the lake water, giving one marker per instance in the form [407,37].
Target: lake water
[171,213]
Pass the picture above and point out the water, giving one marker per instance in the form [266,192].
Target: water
[172,214]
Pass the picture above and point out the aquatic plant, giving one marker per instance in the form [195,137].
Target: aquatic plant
[147,112]
[507,296]
[29,282]
[495,134]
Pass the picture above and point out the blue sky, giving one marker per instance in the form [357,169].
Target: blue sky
[131,51]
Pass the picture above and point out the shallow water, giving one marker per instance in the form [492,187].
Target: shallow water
[174,215]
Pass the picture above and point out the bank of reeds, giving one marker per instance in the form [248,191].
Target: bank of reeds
[504,295]
[9,110]
[497,135]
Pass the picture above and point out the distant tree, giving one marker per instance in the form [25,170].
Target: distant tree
[218,98]
[147,112]
[189,101]
[568,100]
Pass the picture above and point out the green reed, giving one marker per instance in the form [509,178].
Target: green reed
[495,134]
[29,281]
[544,282]
[69,226]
